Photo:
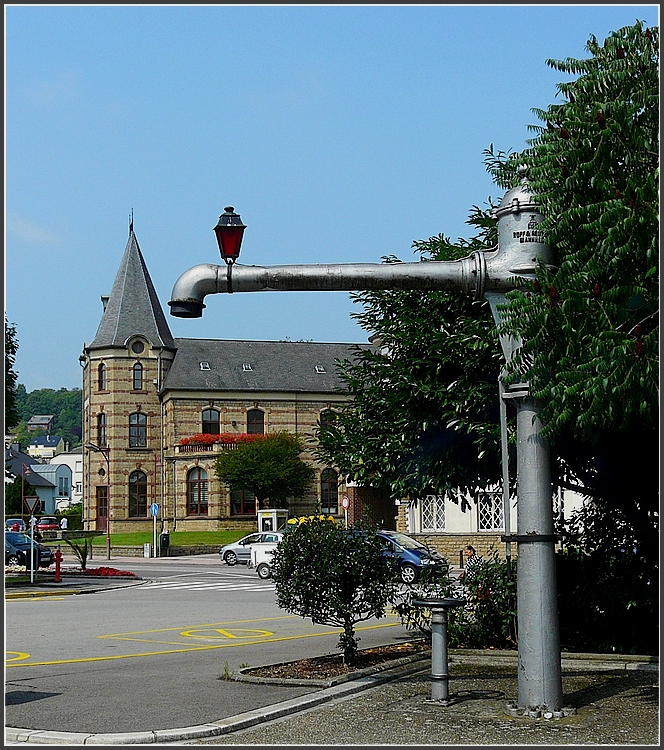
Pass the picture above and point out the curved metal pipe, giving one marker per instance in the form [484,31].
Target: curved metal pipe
[190,290]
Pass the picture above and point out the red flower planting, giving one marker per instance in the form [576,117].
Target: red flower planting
[225,438]
[100,572]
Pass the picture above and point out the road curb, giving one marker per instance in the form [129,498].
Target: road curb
[32,594]
[263,715]
[223,726]
[91,588]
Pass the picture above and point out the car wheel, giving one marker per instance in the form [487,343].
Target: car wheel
[263,571]
[230,558]
[408,573]
[13,560]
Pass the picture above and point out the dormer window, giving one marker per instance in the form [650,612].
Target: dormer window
[320,368]
[137,347]
[246,367]
[205,365]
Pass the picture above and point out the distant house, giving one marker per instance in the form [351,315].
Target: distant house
[52,483]
[44,422]
[19,464]
[74,459]
[46,446]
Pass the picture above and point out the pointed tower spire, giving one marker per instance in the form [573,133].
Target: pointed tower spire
[133,306]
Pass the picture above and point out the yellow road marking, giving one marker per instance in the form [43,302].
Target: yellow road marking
[250,633]
[231,644]
[18,656]
[178,628]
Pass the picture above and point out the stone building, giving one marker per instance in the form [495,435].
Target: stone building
[146,393]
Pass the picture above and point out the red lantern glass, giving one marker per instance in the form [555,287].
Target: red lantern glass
[229,231]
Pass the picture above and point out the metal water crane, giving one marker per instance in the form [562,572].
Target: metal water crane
[489,274]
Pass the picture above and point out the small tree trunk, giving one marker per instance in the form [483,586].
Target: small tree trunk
[348,643]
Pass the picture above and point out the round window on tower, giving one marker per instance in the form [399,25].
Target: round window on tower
[137,347]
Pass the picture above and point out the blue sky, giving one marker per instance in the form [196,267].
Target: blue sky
[339,133]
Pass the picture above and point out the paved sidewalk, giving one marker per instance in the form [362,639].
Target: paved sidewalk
[615,700]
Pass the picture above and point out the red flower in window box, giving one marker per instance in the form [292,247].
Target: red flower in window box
[225,438]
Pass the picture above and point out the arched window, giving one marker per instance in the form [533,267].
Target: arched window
[210,422]
[255,422]
[101,377]
[138,430]
[329,491]
[197,492]
[138,495]
[138,376]
[101,429]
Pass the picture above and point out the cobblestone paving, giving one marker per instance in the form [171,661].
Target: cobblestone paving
[613,708]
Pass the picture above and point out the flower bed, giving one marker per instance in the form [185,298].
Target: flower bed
[225,438]
[102,572]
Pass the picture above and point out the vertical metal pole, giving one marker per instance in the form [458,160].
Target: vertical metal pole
[108,504]
[439,677]
[32,550]
[506,471]
[539,672]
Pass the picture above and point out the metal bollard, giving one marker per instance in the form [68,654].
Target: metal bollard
[440,691]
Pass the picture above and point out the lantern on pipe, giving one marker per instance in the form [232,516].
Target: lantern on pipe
[229,231]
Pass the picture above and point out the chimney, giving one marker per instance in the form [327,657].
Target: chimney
[104,300]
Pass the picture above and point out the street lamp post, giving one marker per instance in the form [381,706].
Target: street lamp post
[104,450]
[492,273]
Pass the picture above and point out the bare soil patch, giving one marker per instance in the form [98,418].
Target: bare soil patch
[332,665]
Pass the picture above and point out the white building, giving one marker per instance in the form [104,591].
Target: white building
[74,460]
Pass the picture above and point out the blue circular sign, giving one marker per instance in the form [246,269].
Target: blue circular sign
[154,509]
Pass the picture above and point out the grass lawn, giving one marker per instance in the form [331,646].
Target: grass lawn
[177,538]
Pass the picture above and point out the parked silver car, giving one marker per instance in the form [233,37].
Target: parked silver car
[240,551]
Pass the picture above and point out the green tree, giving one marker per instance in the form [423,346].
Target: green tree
[424,415]
[64,404]
[14,493]
[12,417]
[591,327]
[270,467]
[334,577]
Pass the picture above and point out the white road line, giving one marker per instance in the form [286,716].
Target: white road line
[198,585]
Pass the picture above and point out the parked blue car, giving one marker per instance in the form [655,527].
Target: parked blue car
[414,558]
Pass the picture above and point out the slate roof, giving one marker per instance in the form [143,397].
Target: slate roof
[133,306]
[13,461]
[40,419]
[275,365]
[47,441]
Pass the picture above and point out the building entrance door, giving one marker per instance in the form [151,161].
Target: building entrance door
[102,508]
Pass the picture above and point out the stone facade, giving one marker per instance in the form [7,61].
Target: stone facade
[144,392]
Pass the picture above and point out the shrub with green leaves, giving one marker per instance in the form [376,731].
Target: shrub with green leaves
[336,577]
[486,620]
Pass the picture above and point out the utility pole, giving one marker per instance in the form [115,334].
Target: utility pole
[492,273]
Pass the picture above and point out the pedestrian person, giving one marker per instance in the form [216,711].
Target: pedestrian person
[472,564]
[63,523]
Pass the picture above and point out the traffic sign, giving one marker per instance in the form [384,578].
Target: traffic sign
[154,509]
[345,502]
[31,501]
